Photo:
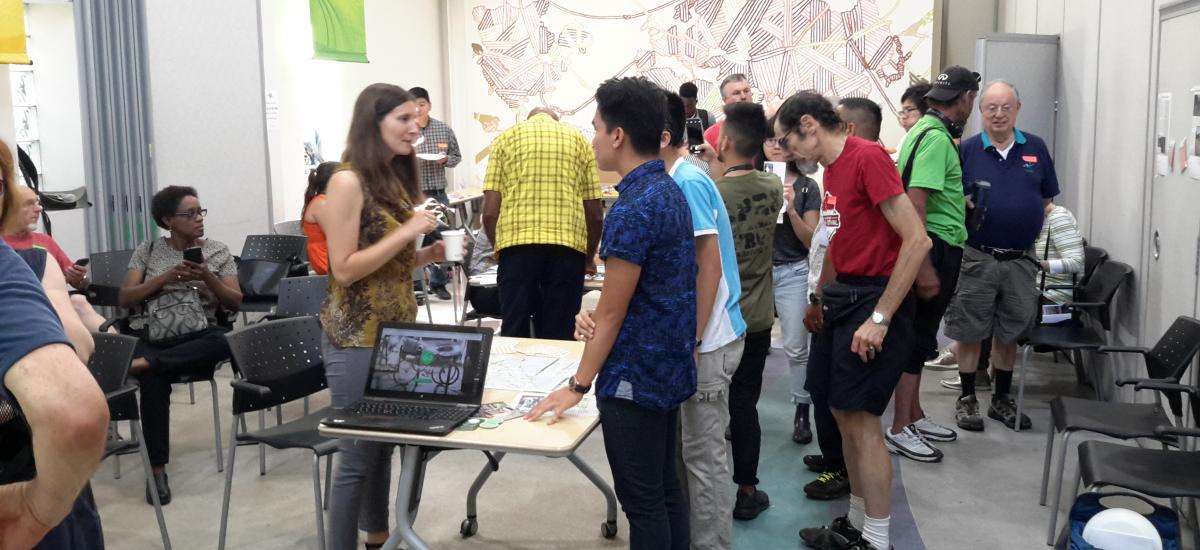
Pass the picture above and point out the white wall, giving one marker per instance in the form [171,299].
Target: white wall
[404,47]
[207,104]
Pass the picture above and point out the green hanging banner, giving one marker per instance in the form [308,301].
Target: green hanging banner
[339,30]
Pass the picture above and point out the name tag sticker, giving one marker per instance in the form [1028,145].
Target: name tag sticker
[1029,158]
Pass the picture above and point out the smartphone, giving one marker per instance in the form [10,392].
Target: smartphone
[194,255]
[82,261]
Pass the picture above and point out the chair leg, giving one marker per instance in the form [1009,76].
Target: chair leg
[1046,465]
[1021,386]
[216,420]
[136,426]
[1058,483]
[317,500]
[262,449]
[306,405]
[192,392]
[279,415]
[228,482]
[328,478]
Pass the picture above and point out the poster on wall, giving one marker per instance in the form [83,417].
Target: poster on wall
[1193,159]
[1162,127]
[554,54]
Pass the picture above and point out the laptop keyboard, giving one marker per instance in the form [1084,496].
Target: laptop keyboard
[415,412]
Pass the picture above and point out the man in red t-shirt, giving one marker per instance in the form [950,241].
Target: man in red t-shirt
[877,244]
[21,236]
[734,89]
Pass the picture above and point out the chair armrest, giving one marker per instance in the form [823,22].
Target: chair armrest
[1123,349]
[1162,385]
[242,385]
[1063,287]
[120,392]
[1085,305]
[1162,431]
[1128,381]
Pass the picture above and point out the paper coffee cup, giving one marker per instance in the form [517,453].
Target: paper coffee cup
[453,241]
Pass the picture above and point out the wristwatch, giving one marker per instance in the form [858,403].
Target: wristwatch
[577,387]
[813,298]
[879,319]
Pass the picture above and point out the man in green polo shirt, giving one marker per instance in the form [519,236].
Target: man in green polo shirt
[932,174]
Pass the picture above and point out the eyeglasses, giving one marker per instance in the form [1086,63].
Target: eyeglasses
[772,142]
[193,214]
[992,109]
[907,110]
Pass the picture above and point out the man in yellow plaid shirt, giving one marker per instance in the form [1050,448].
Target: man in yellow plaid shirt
[542,209]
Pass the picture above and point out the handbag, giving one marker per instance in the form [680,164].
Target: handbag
[1087,505]
[259,279]
[173,313]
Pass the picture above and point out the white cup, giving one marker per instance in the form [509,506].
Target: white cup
[453,241]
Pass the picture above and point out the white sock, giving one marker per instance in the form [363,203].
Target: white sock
[876,532]
[858,511]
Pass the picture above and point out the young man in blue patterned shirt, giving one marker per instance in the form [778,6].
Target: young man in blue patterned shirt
[640,353]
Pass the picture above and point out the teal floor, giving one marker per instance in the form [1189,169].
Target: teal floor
[782,475]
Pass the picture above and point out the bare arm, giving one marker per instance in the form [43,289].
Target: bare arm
[347,262]
[137,287]
[928,283]
[56,290]
[68,418]
[708,277]
[803,226]
[593,213]
[227,290]
[491,214]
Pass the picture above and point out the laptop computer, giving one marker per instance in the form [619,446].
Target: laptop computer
[424,379]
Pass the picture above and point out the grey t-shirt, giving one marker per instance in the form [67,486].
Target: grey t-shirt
[216,256]
[788,248]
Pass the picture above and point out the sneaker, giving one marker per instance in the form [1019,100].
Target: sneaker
[839,535]
[820,464]
[909,443]
[945,360]
[934,431]
[830,485]
[1004,409]
[750,506]
[982,383]
[966,414]
[441,293]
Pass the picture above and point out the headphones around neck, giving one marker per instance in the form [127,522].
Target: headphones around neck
[955,128]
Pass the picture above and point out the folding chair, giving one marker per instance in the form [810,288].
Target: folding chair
[290,227]
[283,249]
[280,362]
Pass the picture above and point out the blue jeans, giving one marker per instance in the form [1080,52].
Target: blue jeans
[791,302]
[640,445]
[364,468]
[437,273]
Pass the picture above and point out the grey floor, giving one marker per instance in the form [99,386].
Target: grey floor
[983,496]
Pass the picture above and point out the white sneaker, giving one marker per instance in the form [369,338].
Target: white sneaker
[944,361]
[953,383]
[909,443]
[933,431]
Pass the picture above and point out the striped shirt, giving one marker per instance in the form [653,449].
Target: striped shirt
[439,138]
[543,171]
[1065,254]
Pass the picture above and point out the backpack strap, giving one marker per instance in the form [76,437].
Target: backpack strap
[908,165]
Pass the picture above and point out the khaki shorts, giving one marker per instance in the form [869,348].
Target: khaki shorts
[994,298]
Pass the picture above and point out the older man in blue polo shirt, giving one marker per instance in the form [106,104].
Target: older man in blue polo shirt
[996,294]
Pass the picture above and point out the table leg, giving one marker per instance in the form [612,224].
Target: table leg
[412,470]
[480,479]
[599,482]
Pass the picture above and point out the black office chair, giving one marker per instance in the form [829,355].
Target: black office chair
[1166,363]
[286,250]
[1161,473]
[107,271]
[1095,300]
[300,296]
[110,365]
[280,362]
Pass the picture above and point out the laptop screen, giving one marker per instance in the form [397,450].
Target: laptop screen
[433,363]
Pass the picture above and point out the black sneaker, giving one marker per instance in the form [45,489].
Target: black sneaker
[750,506]
[820,464]
[801,431]
[160,485]
[966,413]
[441,293]
[839,535]
[1004,409]
[829,485]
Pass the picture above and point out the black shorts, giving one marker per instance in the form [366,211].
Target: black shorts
[927,314]
[838,375]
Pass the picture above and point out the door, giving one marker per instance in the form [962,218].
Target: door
[1173,230]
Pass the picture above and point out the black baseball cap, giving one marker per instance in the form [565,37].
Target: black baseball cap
[953,81]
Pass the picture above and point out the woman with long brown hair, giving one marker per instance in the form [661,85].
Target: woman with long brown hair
[371,229]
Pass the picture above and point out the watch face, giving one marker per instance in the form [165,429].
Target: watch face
[877,317]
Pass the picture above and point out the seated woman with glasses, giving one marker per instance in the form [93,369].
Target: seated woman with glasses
[179,299]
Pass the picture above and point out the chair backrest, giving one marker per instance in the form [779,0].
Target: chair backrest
[1103,285]
[110,360]
[300,296]
[276,248]
[107,271]
[1093,256]
[290,227]
[1174,351]
[283,355]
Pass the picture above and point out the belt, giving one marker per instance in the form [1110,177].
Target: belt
[1000,254]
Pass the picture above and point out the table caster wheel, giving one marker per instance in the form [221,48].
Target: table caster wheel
[468,528]
[608,529]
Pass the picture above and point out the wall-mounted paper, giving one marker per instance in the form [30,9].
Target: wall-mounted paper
[1162,128]
[1193,161]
